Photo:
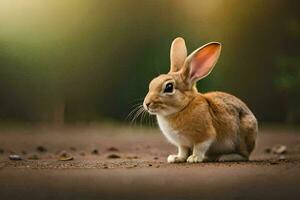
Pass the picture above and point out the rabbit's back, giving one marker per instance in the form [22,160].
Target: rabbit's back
[224,107]
[222,100]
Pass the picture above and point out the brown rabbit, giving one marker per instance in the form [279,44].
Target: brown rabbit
[215,126]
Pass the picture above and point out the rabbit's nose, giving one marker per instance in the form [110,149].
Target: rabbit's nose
[148,104]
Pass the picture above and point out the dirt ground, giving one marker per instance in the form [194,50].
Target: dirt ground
[112,162]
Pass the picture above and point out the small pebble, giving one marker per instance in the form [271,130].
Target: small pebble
[15,157]
[155,158]
[65,156]
[82,153]
[1,151]
[24,152]
[112,149]
[95,151]
[41,149]
[150,165]
[113,156]
[279,149]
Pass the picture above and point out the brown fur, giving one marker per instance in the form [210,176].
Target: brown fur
[215,116]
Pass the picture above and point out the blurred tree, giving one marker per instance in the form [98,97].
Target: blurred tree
[89,60]
[288,83]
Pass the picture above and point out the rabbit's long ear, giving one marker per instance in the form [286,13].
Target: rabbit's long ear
[178,54]
[201,62]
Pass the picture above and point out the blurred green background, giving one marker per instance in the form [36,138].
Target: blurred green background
[84,60]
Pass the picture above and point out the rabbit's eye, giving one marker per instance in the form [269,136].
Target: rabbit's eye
[169,88]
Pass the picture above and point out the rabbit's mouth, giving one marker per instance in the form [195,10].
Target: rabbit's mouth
[153,111]
[160,110]
[152,107]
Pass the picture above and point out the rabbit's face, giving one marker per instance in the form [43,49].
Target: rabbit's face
[172,92]
[166,95]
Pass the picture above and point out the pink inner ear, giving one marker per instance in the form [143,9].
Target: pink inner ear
[204,60]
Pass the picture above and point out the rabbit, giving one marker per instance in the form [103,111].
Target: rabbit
[213,126]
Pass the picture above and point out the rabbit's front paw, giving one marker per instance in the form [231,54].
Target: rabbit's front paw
[176,159]
[195,159]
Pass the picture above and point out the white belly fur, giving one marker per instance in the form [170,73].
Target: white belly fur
[172,135]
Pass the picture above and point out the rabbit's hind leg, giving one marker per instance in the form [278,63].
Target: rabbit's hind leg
[232,158]
[241,153]
[248,134]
